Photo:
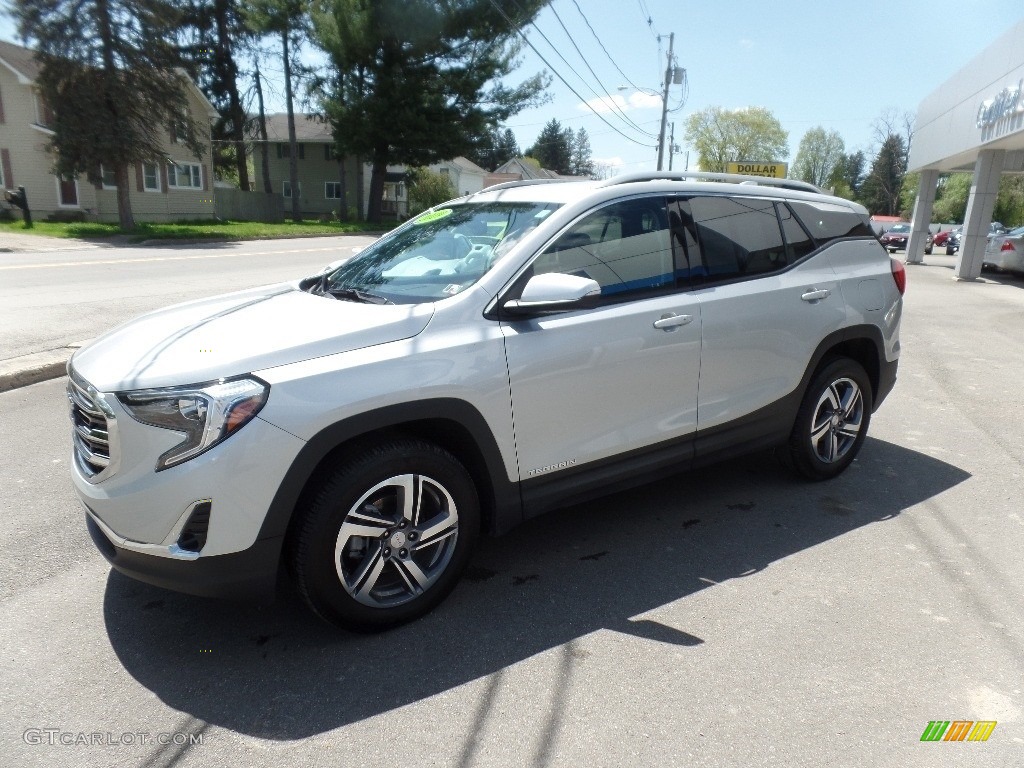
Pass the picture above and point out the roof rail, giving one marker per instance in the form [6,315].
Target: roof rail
[522,183]
[735,178]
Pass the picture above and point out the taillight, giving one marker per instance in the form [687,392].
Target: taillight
[899,274]
[1007,246]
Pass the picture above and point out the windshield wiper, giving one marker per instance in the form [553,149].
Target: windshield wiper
[354,294]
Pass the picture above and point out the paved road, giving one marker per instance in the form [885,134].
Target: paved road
[49,299]
[731,617]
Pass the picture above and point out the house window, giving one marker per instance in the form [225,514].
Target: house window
[109,178]
[151,177]
[45,114]
[444,172]
[180,130]
[67,191]
[332,190]
[286,189]
[284,151]
[184,176]
[330,152]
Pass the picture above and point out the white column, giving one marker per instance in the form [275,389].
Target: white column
[922,216]
[984,190]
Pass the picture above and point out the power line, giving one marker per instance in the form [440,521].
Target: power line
[517,30]
[647,17]
[606,53]
[606,99]
[604,88]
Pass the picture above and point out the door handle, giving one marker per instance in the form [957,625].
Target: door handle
[816,295]
[671,322]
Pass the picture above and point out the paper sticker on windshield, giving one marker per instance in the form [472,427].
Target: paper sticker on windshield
[452,289]
[426,218]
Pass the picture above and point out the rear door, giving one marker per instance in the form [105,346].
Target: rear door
[764,307]
[591,384]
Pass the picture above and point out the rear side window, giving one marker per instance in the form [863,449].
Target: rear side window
[739,237]
[624,247]
[827,222]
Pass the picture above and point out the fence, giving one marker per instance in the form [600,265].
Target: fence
[237,205]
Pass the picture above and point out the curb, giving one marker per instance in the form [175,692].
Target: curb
[35,368]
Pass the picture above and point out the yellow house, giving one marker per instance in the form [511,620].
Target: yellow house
[176,186]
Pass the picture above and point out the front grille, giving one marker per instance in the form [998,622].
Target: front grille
[91,430]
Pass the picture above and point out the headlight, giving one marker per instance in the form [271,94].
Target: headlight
[205,414]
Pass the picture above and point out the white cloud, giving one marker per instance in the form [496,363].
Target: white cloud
[602,105]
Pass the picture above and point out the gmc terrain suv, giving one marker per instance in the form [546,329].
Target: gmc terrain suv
[498,356]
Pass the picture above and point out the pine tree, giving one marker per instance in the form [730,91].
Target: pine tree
[553,147]
[582,164]
[420,81]
[287,21]
[109,71]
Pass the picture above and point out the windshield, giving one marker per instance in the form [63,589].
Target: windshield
[899,229]
[437,255]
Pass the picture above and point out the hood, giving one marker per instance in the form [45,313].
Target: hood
[239,333]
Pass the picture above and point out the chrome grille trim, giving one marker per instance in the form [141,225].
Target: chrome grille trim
[94,430]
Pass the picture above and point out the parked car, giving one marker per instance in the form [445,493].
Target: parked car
[1005,252]
[897,236]
[953,243]
[942,237]
[498,356]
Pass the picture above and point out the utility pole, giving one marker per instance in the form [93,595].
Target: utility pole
[671,145]
[664,101]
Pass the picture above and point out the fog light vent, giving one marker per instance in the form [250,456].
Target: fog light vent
[193,535]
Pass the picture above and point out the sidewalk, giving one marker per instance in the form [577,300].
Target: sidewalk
[12,242]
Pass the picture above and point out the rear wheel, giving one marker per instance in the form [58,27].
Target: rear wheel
[385,538]
[832,421]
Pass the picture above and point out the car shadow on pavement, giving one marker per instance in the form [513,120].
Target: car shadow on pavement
[276,672]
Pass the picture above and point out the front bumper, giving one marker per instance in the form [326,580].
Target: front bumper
[249,575]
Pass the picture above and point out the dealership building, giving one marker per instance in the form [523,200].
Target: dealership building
[973,122]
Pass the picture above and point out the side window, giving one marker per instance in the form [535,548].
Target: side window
[826,221]
[798,242]
[624,247]
[739,237]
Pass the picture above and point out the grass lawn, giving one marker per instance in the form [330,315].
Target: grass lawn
[220,230]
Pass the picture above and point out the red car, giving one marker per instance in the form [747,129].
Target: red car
[943,237]
[895,239]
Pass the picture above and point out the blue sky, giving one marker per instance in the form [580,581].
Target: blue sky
[810,62]
[838,65]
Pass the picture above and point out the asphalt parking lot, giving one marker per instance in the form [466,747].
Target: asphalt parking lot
[733,616]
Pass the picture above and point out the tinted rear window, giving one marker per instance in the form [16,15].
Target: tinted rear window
[828,222]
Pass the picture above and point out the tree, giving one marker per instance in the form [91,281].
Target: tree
[420,81]
[721,136]
[287,21]
[880,192]
[819,155]
[951,198]
[554,147]
[1009,208]
[428,188]
[220,34]
[849,173]
[494,149]
[109,71]
[582,164]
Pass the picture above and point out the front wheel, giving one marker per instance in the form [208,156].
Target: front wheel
[386,536]
[832,421]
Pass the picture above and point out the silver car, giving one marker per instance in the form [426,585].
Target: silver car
[1006,252]
[500,355]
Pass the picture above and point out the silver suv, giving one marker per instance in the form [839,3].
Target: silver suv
[498,356]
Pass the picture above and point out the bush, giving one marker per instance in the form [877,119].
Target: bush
[427,189]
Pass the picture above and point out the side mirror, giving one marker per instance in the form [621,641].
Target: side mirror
[553,292]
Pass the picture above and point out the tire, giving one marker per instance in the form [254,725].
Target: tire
[832,421]
[385,537]
[928,251]
[950,250]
